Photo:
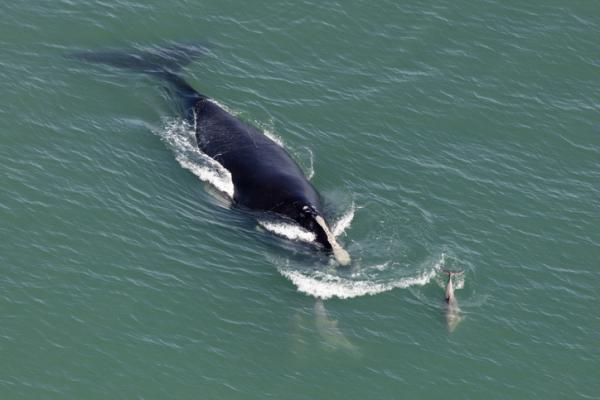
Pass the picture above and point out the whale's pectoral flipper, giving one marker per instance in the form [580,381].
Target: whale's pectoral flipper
[161,62]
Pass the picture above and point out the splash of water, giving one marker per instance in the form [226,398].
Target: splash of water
[344,222]
[292,231]
[310,169]
[325,284]
[180,138]
[451,263]
[458,281]
[288,230]
[268,133]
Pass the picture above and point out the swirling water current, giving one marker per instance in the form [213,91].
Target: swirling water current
[457,135]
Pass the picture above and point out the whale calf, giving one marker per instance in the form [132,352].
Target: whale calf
[453,313]
[264,176]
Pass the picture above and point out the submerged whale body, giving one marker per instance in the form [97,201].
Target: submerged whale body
[264,176]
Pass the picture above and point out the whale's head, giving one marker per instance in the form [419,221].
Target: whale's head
[308,220]
[311,220]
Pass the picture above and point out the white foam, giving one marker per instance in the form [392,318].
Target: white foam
[180,137]
[223,106]
[311,167]
[325,285]
[218,178]
[268,131]
[344,222]
[273,137]
[381,267]
[288,230]
[458,281]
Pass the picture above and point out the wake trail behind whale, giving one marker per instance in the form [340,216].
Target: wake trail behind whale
[326,284]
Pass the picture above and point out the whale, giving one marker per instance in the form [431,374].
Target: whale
[265,177]
[452,312]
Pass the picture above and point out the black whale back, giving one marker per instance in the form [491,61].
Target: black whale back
[264,175]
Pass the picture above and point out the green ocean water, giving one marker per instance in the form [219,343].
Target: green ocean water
[442,135]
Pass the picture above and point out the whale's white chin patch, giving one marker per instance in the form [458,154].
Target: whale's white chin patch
[340,255]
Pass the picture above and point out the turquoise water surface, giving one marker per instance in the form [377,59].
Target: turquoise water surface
[442,135]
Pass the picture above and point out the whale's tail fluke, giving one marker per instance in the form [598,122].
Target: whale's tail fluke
[164,63]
